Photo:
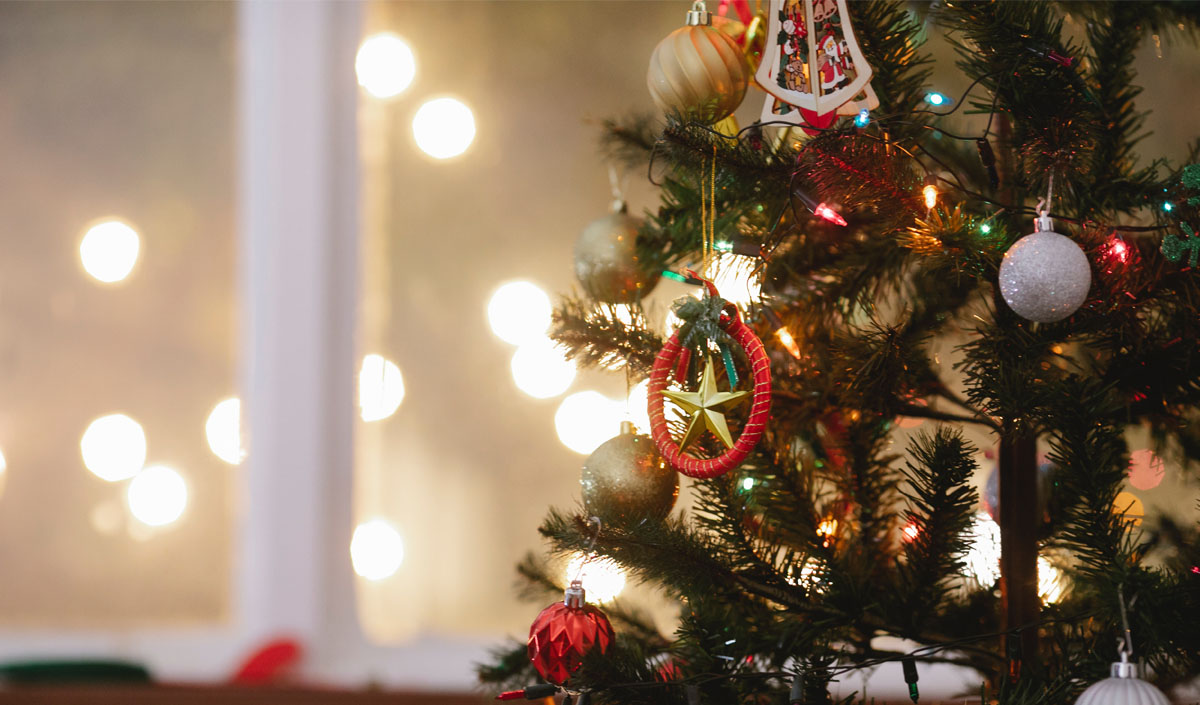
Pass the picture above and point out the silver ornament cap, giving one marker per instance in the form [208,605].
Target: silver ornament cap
[699,16]
[574,596]
[1045,277]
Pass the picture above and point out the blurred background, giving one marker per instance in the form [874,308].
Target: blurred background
[274,292]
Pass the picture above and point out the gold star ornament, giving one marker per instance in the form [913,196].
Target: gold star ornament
[705,407]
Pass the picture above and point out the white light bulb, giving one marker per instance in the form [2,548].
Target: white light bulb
[224,431]
[157,496]
[519,312]
[541,369]
[443,128]
[113,447]
[602,578]
[376,550]
[385,65]
[380,388]
[109,250]
[584,420]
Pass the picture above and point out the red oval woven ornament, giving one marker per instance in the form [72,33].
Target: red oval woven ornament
[760,407]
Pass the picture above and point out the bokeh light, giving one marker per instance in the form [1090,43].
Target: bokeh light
[519,312]
[443,128]
[113,447]
[157,496]
[541,369]
[738,278]
[1051,581]
[637,407]
[385,65]
[3,472]
[376,549]
[1127,503]
[224,431]
[602,578]
[109,250]
[380,388]
[982,562]
[586,419]
[1146,469]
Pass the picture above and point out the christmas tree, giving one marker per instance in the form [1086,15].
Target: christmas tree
[1053,268]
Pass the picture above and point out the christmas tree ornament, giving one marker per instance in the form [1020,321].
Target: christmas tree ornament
[1045,277]
[565,632]
[712,322]
[705,408]
[1122,687]
[698,71]
[626,478]
[812,66]
[606,259]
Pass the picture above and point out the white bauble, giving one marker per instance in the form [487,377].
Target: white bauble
[1123,688]
[1045,277]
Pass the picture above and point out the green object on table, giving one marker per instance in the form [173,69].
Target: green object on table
[82,671]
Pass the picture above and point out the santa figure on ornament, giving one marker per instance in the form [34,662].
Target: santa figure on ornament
[834,59]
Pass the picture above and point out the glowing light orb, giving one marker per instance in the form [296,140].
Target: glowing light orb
[113,447]
[637,407]
[1146,469]
[982,562]
[602,578]
[586,419]
[934,98]
[1051,582]
[380,388]
[1128,504]
[443,128]
[519,312]
[385,65]
[738,278]
[541,369]
[376,550]
[224,431]
[3,472]
[748,483]
[109,250]
[157,496]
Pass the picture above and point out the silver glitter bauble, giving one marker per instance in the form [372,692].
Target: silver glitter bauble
[1045,276]
[625,478]
[1123,688]
[606,261]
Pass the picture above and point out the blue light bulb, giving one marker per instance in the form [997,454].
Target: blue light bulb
[864,117]
[935,98]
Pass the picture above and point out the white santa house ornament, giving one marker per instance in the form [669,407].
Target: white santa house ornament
[812,67]
[1123,687]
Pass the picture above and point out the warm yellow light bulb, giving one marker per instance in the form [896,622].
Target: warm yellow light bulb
[931,195]
[788,341]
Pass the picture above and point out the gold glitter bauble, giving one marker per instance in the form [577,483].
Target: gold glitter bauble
[626,479]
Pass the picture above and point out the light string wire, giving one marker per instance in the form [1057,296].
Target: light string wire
[957,183]
[924,651]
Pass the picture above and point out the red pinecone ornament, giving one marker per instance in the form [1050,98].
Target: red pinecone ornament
[564,633]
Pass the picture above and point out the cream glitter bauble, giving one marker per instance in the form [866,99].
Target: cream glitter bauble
[1045,277]
[698,72]
[606,261]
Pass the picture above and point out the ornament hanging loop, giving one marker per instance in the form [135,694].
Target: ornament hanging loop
[617,185]
[699,15]
[1125,646]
